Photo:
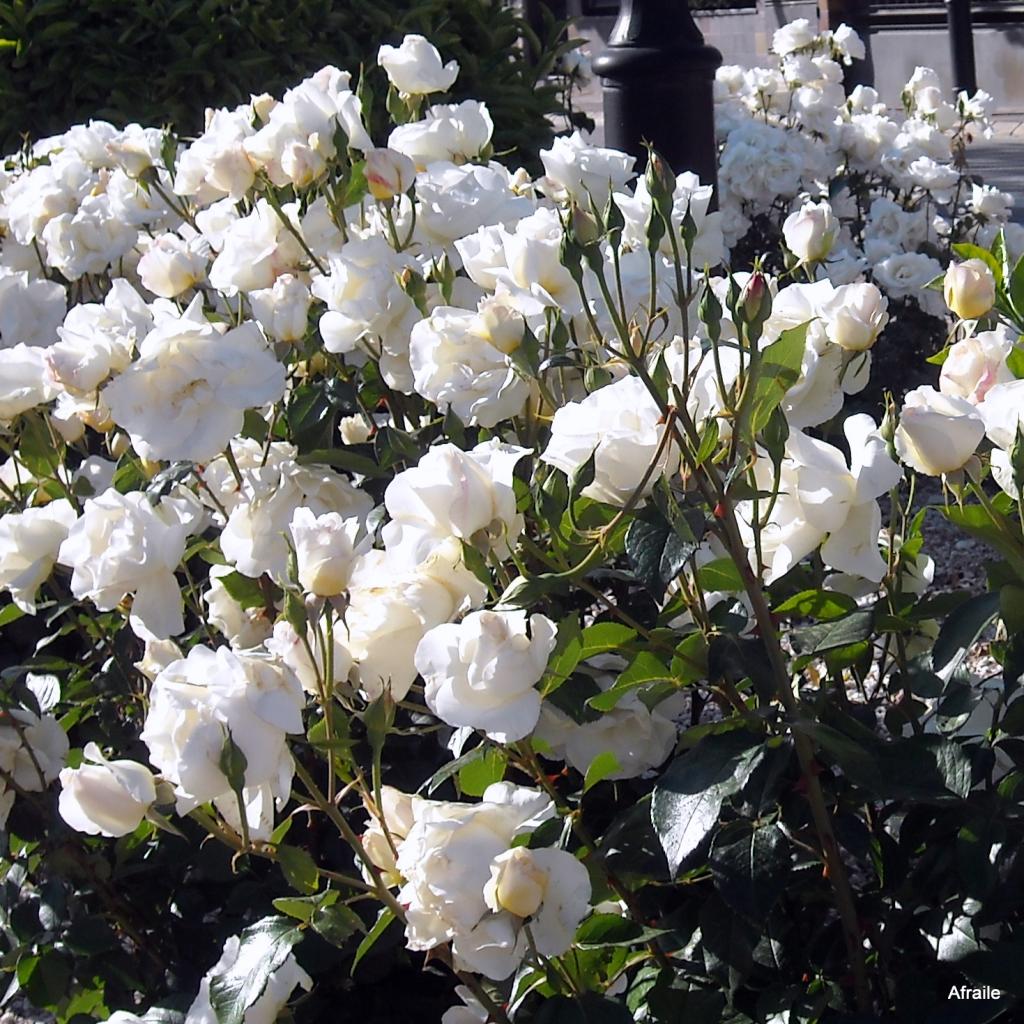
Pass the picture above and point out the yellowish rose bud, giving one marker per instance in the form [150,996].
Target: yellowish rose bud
[969,289]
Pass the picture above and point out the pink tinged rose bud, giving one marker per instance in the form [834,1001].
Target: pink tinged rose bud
[810,231]
[755,298]
[969,289]
[974,365]
[104,797]
[937,433]
[388,173]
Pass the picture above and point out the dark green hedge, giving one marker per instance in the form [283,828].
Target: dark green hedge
[165,61]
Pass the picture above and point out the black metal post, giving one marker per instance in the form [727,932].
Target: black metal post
[658,82]
[961,44]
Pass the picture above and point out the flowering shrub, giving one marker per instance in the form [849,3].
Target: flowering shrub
[417,567]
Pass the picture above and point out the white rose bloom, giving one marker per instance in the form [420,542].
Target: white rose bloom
[548,886]
[457,364]
[170,266]
[216,164]
[107,798]
[24,381]
[810,231]
[186,395]
[795,35]
[937,433]
[297,140]
[839,500]
[255,250]
[282,309]
[397,816]
[254,535]
[456,132]
[446,861]
[849,43]
[197,701]
[989,201]
[123,544]
[855,316]
[88,241]
[638,737]
[905,275]
[29,542]
[241,627]
[454,201]
[1001,412]
[620,425]
[483,253]
[281,982]
[391,607]
[32,754]
[306,656]
[326,545]
[30,311]
[452,493]
[580,172]
[97,339]
[415,67]
[482,672]
[975,363]
[368,313]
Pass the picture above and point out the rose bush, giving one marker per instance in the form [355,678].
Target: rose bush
[425,583]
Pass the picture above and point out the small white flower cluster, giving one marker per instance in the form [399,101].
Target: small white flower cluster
[872,190]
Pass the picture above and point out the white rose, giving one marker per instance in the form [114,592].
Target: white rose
[390,609]
[810,231]
[1001,412]
[620,425]
[795,35]
[457,364]
[123,544]
[281,310]
[415,67]
[937,433]
[197,701]
[976,363]
[29,542]
[170,266]
[482,672]
[580,172]
[455,131]
[969,289]
[255,250]
[34,752]
[186,396]
[325,548]
[216,164]
[30,311]
[107,798]
[24,382]
[452,493]
[855,316]
[241,627]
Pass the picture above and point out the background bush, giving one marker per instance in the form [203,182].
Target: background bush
[164,61]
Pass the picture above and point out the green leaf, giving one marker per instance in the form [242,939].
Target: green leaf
[263,948]
[750,865]
[605,764]
[961,631]
[476,775]
[299,869]
[689,796]
[565,656]
[643,669]
[233,764]
[337,924]
[10,613]
[817,604]
[656,550]
[243,590]
[778,371]
[720,574]
[384,918]
[973,519]
[604,637]
[827,636]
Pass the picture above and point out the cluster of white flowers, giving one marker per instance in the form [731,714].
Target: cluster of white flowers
[871,190]
[499,336]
